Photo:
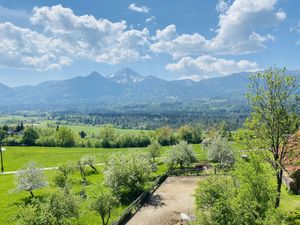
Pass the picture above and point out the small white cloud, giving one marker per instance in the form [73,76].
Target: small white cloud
[194,77]
[296,28]
[209,65]
[223,6]
[146,57]
[140,9]
[150,19]
[297,42]
[7,12]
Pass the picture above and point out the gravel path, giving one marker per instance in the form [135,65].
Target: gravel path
[173,197]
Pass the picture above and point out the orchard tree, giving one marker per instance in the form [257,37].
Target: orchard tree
[181,154]
[154,150]
[30,179]
[104,203]
[127,174]
[273,100]
[3,135]
[220,151]
[88,160]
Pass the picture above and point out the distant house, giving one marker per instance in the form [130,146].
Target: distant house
[292,164]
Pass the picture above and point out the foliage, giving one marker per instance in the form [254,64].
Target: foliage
[154,150]
[165,136]
[127,174]
[65,137]
[220,151]
[273,100]
[58,208]
[107,135]
[245,197]
[30,136]
[104,203]
[30,179]
[191,134]
[181,154]
[61,178]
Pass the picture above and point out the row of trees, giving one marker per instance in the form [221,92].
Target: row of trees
[108,137]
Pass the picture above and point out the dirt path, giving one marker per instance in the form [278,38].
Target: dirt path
[173,197]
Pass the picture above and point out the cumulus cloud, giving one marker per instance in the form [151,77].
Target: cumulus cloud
[237,32]
[140,9]
[68,37]
[23,48]
[202,66]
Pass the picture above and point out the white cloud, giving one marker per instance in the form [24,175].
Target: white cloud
[205,65]
[68,37]
[237,32]
[140,9]
[150,19]
[23,48]
[194,77]
[223,6]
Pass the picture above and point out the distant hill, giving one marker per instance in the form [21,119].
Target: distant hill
[124,86]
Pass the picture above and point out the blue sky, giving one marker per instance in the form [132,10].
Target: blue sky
[171,39]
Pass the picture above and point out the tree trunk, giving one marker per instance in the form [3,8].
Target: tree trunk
[31,193]
[1,155]
[278,189]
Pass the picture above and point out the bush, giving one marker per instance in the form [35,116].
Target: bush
[65,137]
[30,136]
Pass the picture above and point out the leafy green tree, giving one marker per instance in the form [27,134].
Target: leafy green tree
[273,100]
[163,135]
[245,197]
[108,136]
[59,207]
[181,154]
[62,176]
[30,179]
[104,203]
[3,135]
[154,150]
[65,137]
[186,133]
[220,151]
[30,136]
[127,174]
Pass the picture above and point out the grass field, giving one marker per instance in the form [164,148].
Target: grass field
[17,157]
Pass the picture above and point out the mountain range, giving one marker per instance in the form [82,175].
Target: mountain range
[124,86]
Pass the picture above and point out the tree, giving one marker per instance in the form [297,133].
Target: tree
[82,134]
[104,203]
[108,135]
[273,101]
[59,207]
[30,179]
[186,133]
[154,150]
[30,136]
[62,205]
[88,160]
[65,137]
[127,174]
[245,197]
[61,177]
[3,134]
[181,154]
[220,151]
